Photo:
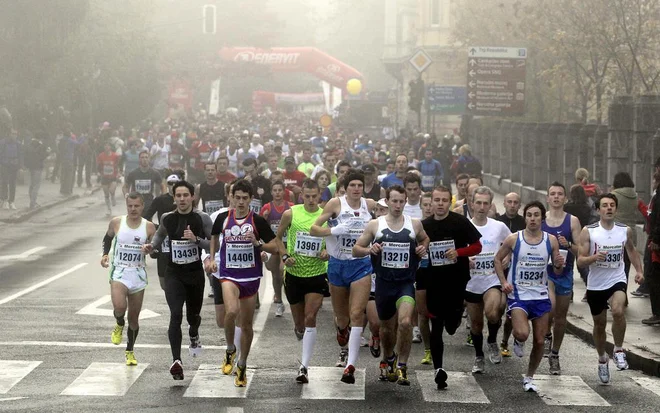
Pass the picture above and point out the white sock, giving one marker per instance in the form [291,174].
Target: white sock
[237,340]
[617,349]
[354,345]
[308,341]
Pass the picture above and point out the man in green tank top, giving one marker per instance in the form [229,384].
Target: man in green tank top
[305,277]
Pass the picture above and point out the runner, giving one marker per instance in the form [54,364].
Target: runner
[107,163]
[526,284]
[453,239]
[260,185]
[184,275]
[372,189]
[211,192]
[272,212]
[305,279]
[244,234]
[400,171]
[420,289]
[464,207]
[484,291]
[602,248]
[144,180]
[128,278]
[399,242]
[413,185]
[431,170]
[348,276]
[567,229]
[462,188]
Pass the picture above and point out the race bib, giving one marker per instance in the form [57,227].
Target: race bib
[424,262]
[128,256]
[613,258]
[175,158]
[484,264]
[275,227]
[143,186]
[192,162]
[108,169]
[395,255]
[204,156]
[239,256]
[213,206]
[255,205]
[428,181]
[530,271]
[307,245]
[290,182]
[184,252]
[347,241]
[438,252]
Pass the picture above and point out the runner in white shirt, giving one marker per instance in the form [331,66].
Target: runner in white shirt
[413,185]
[160,153]
[602,249]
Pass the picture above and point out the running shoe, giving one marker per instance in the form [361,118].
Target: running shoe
[114,201]
[387,370]
[547,346]
[428,358]
[416,335]
[302,375]
[651,321]
[555,368]
[518,348]
[241,376]
[374,346]
[176,370]
[604,372]
[349,375]
[12,205]
[402,376]
[228,362]
[441,378]
[279,309]
[211,294]
[117,334]
[479,366]
[504,351]
[528,385]
[494,353]
[638,293]
[299,334]
[343,357]
[363,342]
[195,347]
[342,336]
[620,360]
[130,358]
[469,342]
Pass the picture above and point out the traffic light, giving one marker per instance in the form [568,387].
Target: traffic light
[209,22]
[416,95]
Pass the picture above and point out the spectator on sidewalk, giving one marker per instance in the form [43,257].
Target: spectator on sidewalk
[66,156]
[628,209]
[653,282]
[582,178]
[84,160]
[35,155]
[11,154]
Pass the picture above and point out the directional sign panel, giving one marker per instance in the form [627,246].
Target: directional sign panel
[446,100]
[496,81]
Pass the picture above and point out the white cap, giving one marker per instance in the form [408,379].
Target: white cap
[382,203]
[256,135]
[173,178]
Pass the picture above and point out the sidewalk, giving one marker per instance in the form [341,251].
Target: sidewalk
[48,197]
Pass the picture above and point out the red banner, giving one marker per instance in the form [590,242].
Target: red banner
[179,94]
[262,98]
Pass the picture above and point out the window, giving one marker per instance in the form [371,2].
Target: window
[434,12]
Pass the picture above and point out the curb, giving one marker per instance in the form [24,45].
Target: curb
[16,219]
[638,357]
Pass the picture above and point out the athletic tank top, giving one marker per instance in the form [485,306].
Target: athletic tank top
[565,231]
[240,260]
[528,273]
[397,261]
[483,275]
[304,247]
[233,161]
[213,196]
[374,193]
[275,216]
[413,211]
[127,246]
[604,274]
[341,246]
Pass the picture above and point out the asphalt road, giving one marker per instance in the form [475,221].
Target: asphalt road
[56,354]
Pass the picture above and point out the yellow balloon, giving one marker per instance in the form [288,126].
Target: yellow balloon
[354,87]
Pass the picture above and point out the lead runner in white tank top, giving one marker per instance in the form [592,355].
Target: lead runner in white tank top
[340,246]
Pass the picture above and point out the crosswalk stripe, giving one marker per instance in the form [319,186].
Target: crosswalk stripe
[13,371]
[324,384]
[567,391]
[462,388]
[210,382]
[649,383]
[105,379]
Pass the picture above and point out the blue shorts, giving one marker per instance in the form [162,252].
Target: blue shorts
[341,273]
[533,308]
[389,294]
[563,283]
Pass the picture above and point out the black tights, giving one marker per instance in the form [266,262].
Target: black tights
[447,319]
[180,288]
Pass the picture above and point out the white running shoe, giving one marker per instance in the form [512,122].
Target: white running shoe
[518,348]
[494,354]
[620,360]
[195,347]
[343,357]
[479,366]
[528,385]
[12,205]
[279,309]
[604,372]
[416,335]
[364,342]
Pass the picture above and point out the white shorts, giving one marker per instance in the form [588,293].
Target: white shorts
[135,279]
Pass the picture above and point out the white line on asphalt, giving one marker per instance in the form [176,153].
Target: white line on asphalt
[13,371]
[266,302]
[105,379]
[461,388]
[8,399]
[567,391]
[325,384]
[42,283]
[234,410]
[94,345]
[21,256]
[210,382]
[649,383]
[93,309]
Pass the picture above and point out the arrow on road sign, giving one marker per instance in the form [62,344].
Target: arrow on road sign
[473,62]
[472,73]
[471,106]
[473,51]
[93,309]
[471,95]
[472,83]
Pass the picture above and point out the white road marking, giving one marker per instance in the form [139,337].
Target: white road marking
[42,283]
[14,371]
[461,388]
[649,383]
[567,391]
[92,309]
[324,383]
[96,345]
[234,410]
[21,256]
[8,399]
[105,379]
[210,382]
[266,301]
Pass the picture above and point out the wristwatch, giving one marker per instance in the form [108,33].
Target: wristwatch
[285,257]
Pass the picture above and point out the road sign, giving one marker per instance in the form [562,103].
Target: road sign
[420,61]
[496,81]
[446,100]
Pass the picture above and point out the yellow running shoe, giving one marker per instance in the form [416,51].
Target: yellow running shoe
[402,376]
[117,334]
[228,362]
[428,359]
[505,352]
[241,377]
[130,359]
